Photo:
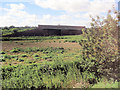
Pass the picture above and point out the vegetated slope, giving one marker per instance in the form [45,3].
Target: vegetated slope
[15,31]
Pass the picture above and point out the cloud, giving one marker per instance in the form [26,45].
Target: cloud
[64,19]
[66,5]
[76,12]
[16,15]
[76,5]
[17,6]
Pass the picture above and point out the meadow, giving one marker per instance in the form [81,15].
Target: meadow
[47,62]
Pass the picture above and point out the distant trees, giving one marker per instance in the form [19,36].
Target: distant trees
[12,27]
[6,28]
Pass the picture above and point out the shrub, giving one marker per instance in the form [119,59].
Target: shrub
[37,58]
[46,57]
[15,50]
[59,41]
[36,55]
[24,55]
[65,41]
[2,52]
[21,43]
[2,59]
[6,56]
[73,41]
[14,56]
[21,60]
[100,50]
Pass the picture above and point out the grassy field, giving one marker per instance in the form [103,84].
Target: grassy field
[27,50]
[46,62]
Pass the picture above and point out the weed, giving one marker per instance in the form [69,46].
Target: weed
[14,56]
[59,41]
[37,58]
[21,60]
[15,50]
[21,43]
[65,41]
[36,55]
[2,52]
[24,55]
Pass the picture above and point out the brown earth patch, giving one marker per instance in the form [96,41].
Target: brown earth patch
[8,45]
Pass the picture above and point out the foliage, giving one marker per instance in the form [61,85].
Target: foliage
[53,74]
[21,60]
[24,55]
[12,29]
[2,52]
[16,50]
[106,84]
[100,46]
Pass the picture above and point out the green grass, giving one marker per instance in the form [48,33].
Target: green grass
[55,74]
[107,84]
[76,37]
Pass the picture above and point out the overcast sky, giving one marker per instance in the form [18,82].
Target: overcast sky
[52,12]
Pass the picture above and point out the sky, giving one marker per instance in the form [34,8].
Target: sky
[52,12]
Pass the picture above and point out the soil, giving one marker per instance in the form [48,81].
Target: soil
[8,45]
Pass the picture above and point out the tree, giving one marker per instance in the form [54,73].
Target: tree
[11,27]
[100,46]
[6,28]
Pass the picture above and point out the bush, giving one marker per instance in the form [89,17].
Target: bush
[2,60]
[100,50]
[2,52]
[59,41]
[15,50]
[6,56]
[14,56]
[21,60]
[36,55]
[24,55]
[37,58]
[65,41]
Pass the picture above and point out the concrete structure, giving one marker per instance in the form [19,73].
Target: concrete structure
[50,30]
[60,29]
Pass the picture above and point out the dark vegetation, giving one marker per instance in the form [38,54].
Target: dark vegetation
[35,38]
[13,30]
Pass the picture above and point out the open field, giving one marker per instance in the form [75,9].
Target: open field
[26,49]
[46,62]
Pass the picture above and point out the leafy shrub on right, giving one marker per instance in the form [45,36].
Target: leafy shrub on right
[100,46]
